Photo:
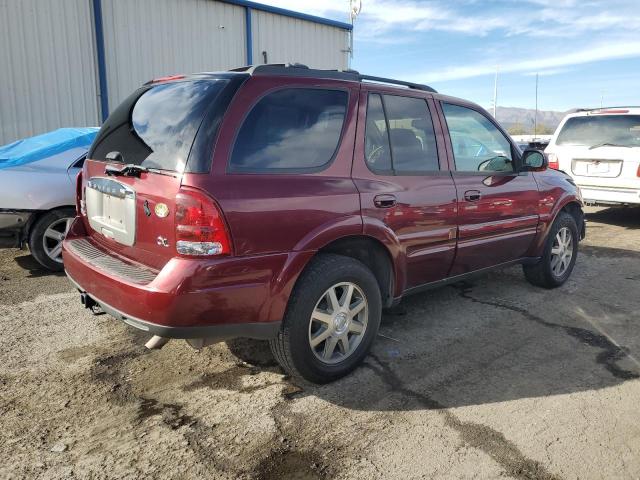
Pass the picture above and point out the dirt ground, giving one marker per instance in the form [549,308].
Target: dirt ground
[493,378]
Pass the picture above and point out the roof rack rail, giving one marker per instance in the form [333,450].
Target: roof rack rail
[301,70]
[605,108]
[415,86]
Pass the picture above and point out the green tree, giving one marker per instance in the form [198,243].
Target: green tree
[517,129]
[543,129]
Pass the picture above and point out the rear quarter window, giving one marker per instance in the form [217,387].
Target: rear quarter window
[293,129]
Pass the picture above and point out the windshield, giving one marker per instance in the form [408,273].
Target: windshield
[623,130]
[155,127]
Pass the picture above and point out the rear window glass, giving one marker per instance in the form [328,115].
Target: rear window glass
[155,127]
[623,130]
[290,129]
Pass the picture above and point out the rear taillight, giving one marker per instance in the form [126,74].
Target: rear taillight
[79,196]
[553,161]
[638,171]
[200,227]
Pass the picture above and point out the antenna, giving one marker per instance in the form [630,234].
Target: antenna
[355,7]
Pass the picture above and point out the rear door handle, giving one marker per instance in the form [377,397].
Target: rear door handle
[384,201]
[472,195]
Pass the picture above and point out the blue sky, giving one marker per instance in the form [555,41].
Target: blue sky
[582,50]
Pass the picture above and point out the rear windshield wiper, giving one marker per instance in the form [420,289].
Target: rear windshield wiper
[606,144]
[131,170]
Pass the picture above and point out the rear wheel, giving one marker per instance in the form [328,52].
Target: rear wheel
[559,257]
[331,321]
[47,234]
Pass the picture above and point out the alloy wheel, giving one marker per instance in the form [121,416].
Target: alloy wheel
[561,252]
[53,237]
[338,323]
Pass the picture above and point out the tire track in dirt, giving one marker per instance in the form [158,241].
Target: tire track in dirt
[608,357]
[479,436]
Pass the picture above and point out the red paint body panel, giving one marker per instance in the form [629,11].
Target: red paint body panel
[195,292]
[278,222]
[422,225]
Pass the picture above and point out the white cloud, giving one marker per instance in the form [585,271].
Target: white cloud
[594,53]
[538,18]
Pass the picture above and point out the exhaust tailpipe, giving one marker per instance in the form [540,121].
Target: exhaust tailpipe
[156,342]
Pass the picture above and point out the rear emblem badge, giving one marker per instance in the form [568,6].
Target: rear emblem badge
[161,210]
[162,241]
[145,207]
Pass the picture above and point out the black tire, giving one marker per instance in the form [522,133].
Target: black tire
[36,237]
[541,274]
[292,348]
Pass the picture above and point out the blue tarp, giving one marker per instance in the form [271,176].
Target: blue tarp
[42,146]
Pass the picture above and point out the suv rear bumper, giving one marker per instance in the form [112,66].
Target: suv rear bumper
[609,195]
[262,331]
[189,298]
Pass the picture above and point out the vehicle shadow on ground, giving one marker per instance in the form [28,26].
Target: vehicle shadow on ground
[628,217]
[27,262]
[494,340]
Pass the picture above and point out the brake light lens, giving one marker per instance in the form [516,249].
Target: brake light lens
[638,171]
[200,227]
[553,161]
[165,79]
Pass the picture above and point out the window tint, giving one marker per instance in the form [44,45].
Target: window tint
[377,151]
[291,129]
[593,130]
[155,127]
[413,141]
[477,144]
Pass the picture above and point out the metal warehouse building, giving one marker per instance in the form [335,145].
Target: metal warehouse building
[69,62]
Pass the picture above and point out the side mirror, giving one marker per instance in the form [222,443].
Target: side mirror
[534,160]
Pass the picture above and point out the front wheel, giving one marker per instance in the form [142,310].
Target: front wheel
[331,321]
[559,256]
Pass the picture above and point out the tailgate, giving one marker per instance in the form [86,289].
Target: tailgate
[132,216]
[147,143]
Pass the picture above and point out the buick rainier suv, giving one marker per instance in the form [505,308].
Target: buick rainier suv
[293,205]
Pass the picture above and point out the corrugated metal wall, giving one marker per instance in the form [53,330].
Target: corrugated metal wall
[49,58]
[146,39]
[287,39]
[48,72]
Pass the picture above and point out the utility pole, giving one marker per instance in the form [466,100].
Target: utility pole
[535,116]
[495,93]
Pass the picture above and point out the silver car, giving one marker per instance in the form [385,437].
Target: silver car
[37,204]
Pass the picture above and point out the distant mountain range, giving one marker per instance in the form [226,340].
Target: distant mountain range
[510,117]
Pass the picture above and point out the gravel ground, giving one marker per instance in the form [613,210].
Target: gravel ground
[493,378]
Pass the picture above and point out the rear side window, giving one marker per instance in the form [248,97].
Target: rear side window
[413,140]
[377,149]
[155,127]
[290,130]
[405,123]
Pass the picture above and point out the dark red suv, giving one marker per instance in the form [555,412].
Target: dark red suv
[284,203]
